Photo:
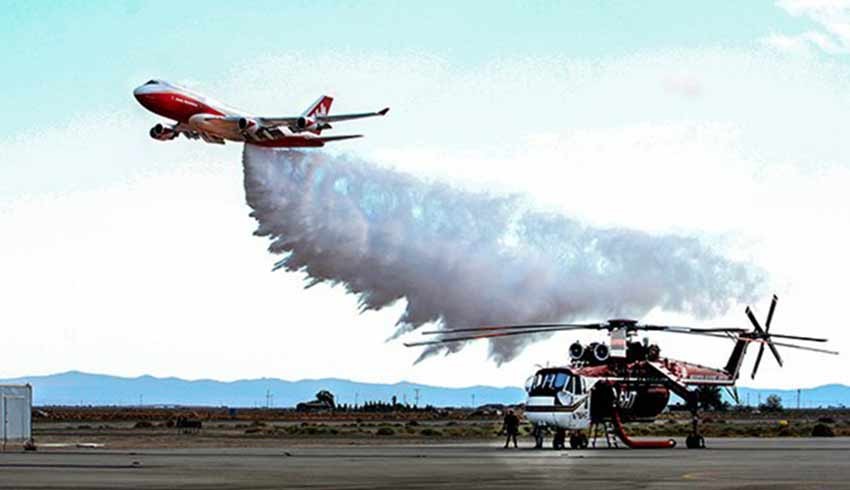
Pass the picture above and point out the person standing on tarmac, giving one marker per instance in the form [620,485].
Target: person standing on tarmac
[511,427]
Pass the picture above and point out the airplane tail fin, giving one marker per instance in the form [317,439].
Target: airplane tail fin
[322,107]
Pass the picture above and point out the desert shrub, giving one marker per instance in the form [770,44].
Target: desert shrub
[253,430]
[822,430]
[385,431]
[826,420]
[412,423]
[142,424]
[430,432]
[772,404]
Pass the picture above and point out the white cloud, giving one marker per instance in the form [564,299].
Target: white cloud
[834,19]
[683,85]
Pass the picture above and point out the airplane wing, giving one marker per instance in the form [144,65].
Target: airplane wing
[164,132]
[325,139]
[193,134]
[292,121]
[346,117]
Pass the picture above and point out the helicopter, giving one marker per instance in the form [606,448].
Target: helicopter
[624,380]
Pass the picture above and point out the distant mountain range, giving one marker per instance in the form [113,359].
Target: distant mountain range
[76,388]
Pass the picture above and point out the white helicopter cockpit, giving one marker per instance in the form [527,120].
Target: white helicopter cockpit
[558,397]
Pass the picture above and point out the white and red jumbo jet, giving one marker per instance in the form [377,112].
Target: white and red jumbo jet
[197,117]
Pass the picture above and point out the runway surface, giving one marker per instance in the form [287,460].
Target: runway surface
[728,463]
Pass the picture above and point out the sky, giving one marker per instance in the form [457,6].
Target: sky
[721,120]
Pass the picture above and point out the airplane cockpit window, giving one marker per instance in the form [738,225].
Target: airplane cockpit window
[151,82]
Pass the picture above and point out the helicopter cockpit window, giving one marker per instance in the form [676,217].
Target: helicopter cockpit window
[560,380]
[569,387]
[577,386]
[549,382]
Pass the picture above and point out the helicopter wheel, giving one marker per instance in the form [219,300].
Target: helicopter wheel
[538,437]
[578,441]
[559,439]
[695,441]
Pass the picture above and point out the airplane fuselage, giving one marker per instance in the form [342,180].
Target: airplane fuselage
[199,117]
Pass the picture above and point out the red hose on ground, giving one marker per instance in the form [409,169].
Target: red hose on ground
[621,433]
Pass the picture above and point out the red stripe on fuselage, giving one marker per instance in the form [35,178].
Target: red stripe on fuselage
[176,106]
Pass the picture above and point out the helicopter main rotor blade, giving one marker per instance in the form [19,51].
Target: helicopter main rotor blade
[485,336]
[694,330]
[792,346]
[797,337]
[515,327]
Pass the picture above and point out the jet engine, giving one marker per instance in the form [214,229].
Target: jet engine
[162,133]
[576,351]
[308,124]
[601,352]
[249,126]
[304,123]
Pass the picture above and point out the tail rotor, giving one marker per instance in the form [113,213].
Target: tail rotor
[764,337]
[763,334]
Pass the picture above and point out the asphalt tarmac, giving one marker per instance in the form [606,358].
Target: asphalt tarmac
[728,463]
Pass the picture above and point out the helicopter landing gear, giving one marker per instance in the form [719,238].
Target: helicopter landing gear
[538,433]
[579,441]
[695,440]
[558,440]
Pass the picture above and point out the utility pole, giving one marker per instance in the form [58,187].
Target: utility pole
[473,400]
[356,398]
[416,397]
[798,398]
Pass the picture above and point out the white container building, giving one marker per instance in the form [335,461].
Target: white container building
[15,414]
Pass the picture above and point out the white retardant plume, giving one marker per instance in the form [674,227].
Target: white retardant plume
[465,259]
